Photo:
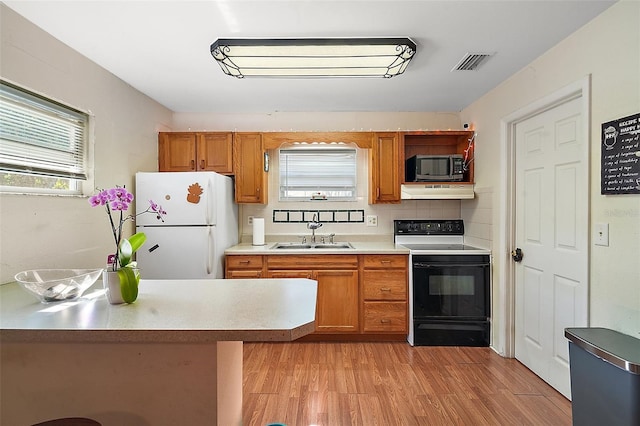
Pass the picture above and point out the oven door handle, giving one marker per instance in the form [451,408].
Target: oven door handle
[448,265]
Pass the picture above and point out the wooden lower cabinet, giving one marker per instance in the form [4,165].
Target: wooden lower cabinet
[385,294]
[359,296]
[388,317]
[243,267]
[337,306]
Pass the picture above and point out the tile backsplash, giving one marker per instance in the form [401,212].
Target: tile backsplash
[344,218]
[324,216]
[288,219]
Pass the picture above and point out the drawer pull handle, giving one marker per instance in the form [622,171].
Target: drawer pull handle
[385,261]
[385,321]
[245,262]
[385,289]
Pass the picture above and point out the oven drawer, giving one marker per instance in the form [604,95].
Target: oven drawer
[451,333]
[385,317]
[385,285]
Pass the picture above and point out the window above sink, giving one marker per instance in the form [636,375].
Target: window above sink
[317,172]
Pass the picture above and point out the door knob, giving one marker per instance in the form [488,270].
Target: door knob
[517,255]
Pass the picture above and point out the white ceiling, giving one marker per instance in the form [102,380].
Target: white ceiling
[162,47]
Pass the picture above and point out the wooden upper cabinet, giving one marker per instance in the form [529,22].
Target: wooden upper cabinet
[190,152]
[251,179]
[215,152]
[384,166]
[177,152]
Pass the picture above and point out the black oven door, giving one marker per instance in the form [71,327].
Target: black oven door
[451,287]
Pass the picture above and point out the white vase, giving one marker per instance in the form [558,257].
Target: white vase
[111,283]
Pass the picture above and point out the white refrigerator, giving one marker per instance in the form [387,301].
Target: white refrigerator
[200,224]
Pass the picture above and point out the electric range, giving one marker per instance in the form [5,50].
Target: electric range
[449,291]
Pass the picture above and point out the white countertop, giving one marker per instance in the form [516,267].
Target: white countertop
[167,311]
[358,248]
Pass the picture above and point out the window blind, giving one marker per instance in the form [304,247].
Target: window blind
[306,173]
[39,136]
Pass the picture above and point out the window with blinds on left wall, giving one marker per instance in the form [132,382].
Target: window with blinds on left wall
[43,143]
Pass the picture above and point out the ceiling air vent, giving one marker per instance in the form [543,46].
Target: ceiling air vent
[471,61]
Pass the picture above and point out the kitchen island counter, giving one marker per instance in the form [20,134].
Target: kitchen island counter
[172,357]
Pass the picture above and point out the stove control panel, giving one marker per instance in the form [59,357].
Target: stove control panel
[428,227]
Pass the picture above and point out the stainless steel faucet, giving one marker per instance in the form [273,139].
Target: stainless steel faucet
[313,225]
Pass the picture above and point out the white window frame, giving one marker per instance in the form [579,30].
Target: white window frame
[317,172]
[30,150]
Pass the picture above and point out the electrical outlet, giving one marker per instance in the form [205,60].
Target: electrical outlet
[372,220]
[601,234]
[250,220]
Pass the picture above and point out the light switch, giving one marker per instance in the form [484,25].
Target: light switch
[601,234]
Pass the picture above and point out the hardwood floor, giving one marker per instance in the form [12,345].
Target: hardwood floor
[302,384]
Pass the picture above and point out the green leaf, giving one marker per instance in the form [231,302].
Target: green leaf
[129,280]
[137,240]
[125,251]
[130,246]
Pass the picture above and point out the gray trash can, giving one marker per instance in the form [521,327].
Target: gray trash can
[605,377]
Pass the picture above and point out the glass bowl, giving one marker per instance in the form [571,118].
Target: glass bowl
[53,285]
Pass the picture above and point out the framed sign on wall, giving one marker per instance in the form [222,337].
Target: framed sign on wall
[620,159]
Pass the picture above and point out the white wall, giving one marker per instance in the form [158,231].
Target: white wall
[608,50]
[62,232]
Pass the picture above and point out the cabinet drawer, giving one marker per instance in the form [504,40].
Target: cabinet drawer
[385,285]
[386,261]
[244,273]
[312,262]
[385,316]
[244,262]
[296,273]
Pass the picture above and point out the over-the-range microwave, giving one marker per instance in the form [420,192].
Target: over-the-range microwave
[434,168]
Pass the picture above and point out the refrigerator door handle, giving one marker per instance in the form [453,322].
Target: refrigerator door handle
[211,250]
[210,209]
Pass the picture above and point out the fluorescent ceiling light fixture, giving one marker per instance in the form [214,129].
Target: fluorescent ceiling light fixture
[314,57]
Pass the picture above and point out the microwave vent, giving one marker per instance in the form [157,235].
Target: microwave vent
[471,61]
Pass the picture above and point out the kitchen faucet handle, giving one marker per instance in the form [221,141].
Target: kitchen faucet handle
[331,238]
[304,238]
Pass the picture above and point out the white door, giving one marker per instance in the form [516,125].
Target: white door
[551,286]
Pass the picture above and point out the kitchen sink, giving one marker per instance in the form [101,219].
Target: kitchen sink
[333,246]
[292,246]
[311,246]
